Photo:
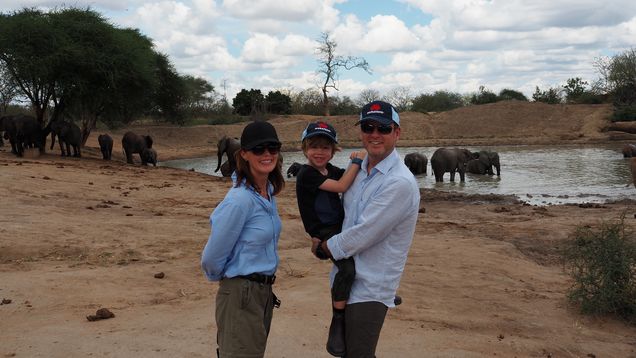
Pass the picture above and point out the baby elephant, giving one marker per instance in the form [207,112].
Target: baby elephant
[141,144]
[106,146]
[416,162]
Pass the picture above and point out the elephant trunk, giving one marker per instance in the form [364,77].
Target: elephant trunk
[220,157]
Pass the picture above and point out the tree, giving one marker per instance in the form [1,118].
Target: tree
[368,95]
[278,103]
[400,97]
[343,106]
[551,96]
[507,94]
[437,102]
[483,96]
[618,78]
[8,89]
[574,89]
[81,65]
[171,93]
[308,101]
[329,65]
[248,102]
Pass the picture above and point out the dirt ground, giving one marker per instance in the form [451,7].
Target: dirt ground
[483,277]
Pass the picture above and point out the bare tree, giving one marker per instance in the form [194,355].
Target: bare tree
[367,95]
[400,97]
[329,64]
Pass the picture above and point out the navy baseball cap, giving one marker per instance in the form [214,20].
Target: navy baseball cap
[320,128]
[381,112]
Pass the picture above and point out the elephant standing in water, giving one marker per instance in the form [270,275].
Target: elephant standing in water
[229,146]
[142,144]
[629,150]
[416,162]
[484,164]
[293,169]
[105,145]
[451,160]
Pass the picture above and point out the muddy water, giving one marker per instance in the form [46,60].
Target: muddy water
[536,174]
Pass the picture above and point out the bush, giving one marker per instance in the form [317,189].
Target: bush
[602,263]
[624,113]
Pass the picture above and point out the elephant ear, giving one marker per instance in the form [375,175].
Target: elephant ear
[148,140]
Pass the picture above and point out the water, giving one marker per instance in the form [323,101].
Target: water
[538,175]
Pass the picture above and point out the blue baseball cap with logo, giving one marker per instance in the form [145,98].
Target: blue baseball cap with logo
[320,128]
[381,112]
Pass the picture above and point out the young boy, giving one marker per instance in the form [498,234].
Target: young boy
[318,185]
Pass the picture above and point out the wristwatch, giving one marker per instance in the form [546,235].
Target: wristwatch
[356,161]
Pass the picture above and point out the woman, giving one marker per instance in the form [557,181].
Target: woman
[241,251]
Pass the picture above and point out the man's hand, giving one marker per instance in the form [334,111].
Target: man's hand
[317,250]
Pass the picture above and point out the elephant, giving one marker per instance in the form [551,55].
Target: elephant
[483,165]
[633,169]
[451,160]
[135,143]
[226,170]
[229,146]
[416,162]
[629,150]
[293,169]
[23,131]
[148,155]
[105,145]
[68,134]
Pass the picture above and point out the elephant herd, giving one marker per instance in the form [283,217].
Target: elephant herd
[452,160]
[24,131]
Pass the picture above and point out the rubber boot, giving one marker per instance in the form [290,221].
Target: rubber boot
[336,341]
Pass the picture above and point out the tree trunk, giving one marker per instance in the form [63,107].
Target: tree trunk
[325,102]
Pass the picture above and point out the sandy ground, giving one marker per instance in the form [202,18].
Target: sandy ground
[483,277]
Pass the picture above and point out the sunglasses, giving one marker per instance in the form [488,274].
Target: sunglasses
[272,148]
[382,128]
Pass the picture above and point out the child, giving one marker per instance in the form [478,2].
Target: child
[318,185]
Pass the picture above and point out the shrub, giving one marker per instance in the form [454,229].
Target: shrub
[602,264]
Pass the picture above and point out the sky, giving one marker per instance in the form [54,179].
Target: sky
[419,45]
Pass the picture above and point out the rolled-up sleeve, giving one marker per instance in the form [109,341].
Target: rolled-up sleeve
[226,222]
[376,219]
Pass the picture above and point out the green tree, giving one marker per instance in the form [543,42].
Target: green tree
[551,95]
[171,93]
[507,94]
[278,103]
[618,78]
[248,102]
[8,89]
[438,101]
[574,89]
[343,106]
[329,65]
[75,61]
[483,96]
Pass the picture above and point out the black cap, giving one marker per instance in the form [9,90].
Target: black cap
[381,112]
[320,128]
[257,133]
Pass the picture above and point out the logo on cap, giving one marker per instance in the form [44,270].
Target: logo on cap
[322,125]
[375,107]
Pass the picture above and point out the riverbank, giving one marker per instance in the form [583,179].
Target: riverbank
[483,276]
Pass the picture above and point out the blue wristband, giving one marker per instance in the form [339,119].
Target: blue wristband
[356,161]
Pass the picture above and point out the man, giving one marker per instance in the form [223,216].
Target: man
[381,210]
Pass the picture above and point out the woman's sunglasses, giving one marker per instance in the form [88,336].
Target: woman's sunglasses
[272,148]
[382,128]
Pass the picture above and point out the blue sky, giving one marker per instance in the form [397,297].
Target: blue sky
[414,45]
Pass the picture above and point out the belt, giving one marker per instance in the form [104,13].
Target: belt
[257,277]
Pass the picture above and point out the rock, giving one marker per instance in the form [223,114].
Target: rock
[102,313]
[160,275]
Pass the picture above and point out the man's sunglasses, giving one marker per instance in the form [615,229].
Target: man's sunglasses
[382,128]
[272,148]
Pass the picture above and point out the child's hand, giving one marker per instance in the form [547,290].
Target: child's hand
[358,154]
